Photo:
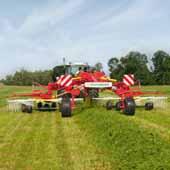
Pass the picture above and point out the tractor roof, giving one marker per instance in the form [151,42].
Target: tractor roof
[72,64]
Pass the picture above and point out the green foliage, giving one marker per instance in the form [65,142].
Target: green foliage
[131,142]
[98,66]
[26,78]
[161,63]
[92,139]
[133,63]
[156,71]
[6,91]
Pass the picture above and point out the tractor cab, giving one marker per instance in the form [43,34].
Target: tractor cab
[70,68]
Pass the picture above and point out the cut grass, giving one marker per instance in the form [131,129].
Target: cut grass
[132,146]
[93,139]
[7,91]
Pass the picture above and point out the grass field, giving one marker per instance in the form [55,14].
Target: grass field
[93,139]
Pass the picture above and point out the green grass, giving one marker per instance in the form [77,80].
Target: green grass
[93,139]
[8,91]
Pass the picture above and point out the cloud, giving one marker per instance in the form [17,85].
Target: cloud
[49,15]
[83,30]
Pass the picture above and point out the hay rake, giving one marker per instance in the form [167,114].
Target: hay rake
[67,90]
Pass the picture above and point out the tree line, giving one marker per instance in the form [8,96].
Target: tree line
[26,78]
[149,70]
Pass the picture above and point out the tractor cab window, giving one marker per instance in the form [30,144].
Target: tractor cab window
[58,71]
[73,70]
[66,69]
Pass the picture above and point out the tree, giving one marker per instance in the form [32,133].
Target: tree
[161,67]
[26,78]
[133,63]
[98,66]
[115,68]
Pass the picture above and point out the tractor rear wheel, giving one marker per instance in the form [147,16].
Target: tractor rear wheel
[149,106]
[65,107]
[130,106]
[39,105]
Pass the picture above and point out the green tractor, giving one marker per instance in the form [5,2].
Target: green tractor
[70,68]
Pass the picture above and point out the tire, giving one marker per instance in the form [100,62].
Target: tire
[130,106]
[109,105]
[39,105]
[118,106]
[23,108]
[65,107]
[46,106]
[53,106]
[149,106]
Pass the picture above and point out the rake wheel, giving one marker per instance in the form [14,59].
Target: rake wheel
[149,106]
[118,106]
[109,105]
[26,108]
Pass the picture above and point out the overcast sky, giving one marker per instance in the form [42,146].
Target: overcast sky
[37,34]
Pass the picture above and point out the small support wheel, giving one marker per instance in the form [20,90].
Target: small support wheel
[26,108]
[65,107]
[118,106]
[39,105]
[109,105]
[29,109]
[23,108]
[149,106]
[130,106]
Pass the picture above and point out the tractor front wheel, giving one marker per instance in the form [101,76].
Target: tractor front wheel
[129,106]
[65,107]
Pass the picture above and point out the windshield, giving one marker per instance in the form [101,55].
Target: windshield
[67,69]
[75,68]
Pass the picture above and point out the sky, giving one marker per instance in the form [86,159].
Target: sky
[37,34]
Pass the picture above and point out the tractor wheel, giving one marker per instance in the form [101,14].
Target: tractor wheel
[118,106]
[65,107]
[129,106]
[109,105]
[149,106]
[93,93]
